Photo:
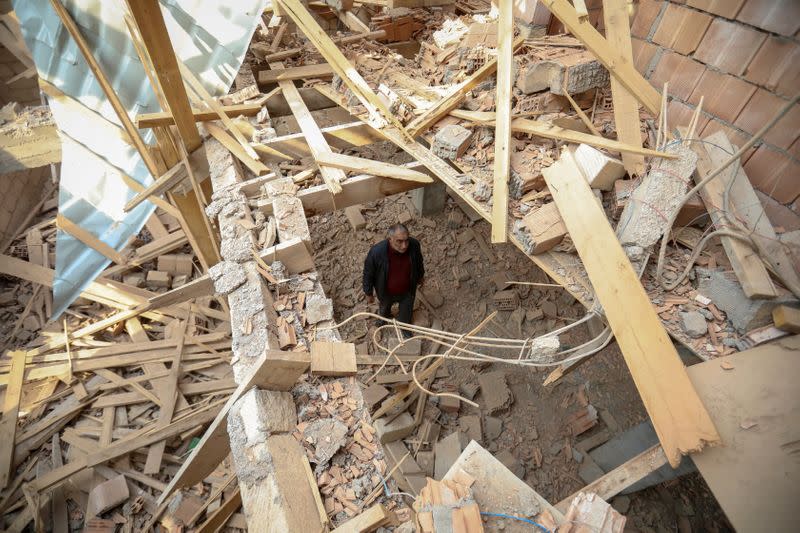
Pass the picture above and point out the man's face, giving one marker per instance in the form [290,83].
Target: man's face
[399,241]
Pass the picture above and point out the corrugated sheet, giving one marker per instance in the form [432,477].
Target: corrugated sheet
[209,37]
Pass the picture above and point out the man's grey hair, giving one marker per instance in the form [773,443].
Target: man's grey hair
[397,228]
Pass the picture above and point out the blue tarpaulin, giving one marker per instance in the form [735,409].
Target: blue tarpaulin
[210,37]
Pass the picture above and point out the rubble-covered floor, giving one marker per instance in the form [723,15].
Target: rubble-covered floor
[533,428]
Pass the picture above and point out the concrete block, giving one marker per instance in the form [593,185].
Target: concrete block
[399,428]
[264,412]
[600,170]
[318,308]
[581,70]
[429,200]
[156,278]
[107,495]
[447,451]
[451,141]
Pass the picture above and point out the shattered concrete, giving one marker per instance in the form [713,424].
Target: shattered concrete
[726,293]
[451,141]
[318,308]
[581,70]
[327,435]
[227,276]
[694,324]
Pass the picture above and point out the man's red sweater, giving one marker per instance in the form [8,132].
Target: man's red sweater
[399,280]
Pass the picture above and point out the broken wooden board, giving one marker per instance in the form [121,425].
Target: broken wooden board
[497,489]
[164,118]
[275,370]
[333,358]
[622,477]
[368,166]
[680,419]
[321,70]
[752,397]
[8,424]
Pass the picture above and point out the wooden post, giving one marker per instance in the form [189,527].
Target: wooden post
[156,44]
[502,135]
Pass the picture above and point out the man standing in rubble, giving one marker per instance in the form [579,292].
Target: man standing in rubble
[393,270]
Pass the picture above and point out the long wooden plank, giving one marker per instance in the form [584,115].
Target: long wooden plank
[341,136]
[679,417]
[8,424]
[275,370]
[164,118]
[321,70]
[311,131]
[747,265]
[253,163]
[86,237]
[502,127]
[379,113]
[622,477]
[431,116]
[626,107]
[105,84]
[153,30]
[221,515]
[747,208]
[609,55]
[548,130]
[376,168]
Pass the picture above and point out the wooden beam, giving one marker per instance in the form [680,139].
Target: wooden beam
[747,208]
[376,168]
[341,136]
[622,477]
[608,54]
[679,417]
[747,265]
[164,118]
[321,70]
[356,190]
[220,516]
[8,424]
[86,237]
[786,318]
[352,21]
[379,113]
[549,130]
[274,370]
[626,107]
[316,141]
[502,128]
[432,115]
[165,182]
[254,164]
[150,22]
[215,106]
[105,84]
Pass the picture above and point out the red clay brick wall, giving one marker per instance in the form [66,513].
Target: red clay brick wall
[743,56]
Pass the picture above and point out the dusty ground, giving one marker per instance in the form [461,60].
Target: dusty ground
[533,428]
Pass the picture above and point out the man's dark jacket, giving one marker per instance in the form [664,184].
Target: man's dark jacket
[376,267]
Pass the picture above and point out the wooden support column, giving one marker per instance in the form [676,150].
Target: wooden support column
[156,43]
[626,107]
[502,131]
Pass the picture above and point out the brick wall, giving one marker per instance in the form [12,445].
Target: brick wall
[743,56]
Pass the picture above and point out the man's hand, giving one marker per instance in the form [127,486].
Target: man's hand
[370,299]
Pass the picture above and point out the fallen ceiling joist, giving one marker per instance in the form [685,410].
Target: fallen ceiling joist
[679,417]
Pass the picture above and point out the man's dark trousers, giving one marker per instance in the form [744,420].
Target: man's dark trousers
[406,302]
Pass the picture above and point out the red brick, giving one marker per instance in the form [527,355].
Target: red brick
[680,114]
[646,13]
[643,53]
[777,16]
[760,109]
[681,72]
[776,66]
[774,174]
[723,8]
[735,136]
[729,46]
[725,96]
[681,29]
